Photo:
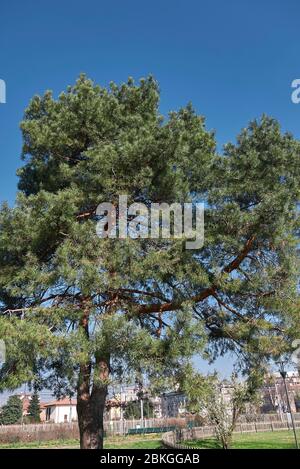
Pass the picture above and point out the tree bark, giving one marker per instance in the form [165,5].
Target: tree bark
[91,398]
[90,410]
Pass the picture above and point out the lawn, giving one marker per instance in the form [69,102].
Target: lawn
[128,442]
[263,440]
[151,441]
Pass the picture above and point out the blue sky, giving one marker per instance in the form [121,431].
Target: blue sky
[234,60]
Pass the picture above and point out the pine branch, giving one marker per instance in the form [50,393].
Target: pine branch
[210,291]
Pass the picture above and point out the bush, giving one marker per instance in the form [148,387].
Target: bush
[11,413]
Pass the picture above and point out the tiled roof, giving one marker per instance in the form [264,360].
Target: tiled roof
[65,401]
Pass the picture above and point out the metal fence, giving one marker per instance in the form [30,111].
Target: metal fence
[122,427]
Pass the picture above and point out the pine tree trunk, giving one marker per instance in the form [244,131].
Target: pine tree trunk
[91,405]
[91,398]
[90,410]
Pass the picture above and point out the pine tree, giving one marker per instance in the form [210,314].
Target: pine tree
[11,412]
[78,311]
[34,409]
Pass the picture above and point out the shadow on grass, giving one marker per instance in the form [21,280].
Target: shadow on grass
[207,443]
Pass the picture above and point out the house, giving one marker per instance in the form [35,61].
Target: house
[61,411]
[25,399]
[116,405]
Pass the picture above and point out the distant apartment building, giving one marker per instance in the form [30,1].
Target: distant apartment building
[173,404]
[274,395]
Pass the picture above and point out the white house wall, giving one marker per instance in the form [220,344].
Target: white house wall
[58,413]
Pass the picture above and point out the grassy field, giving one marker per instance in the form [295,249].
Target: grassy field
[129,442]
[264,440]
[151,441]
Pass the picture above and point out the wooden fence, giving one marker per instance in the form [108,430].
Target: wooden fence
[38,432]
[63,431]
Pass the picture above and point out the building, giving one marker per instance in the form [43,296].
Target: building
[119,399]
[274,395]
[61,411]
[25,399]
[173,404]
[157,409]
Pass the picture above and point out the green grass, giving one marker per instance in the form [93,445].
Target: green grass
[41,444]
[133,442]
[263,440]
[128,442]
